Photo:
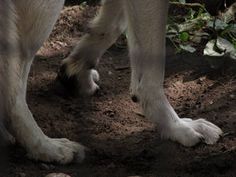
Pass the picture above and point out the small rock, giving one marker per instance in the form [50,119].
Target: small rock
[21,175]
[112,165]
[57,175]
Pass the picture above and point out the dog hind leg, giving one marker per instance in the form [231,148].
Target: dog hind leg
[77,73]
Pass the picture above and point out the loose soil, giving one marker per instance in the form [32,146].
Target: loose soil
[122,142]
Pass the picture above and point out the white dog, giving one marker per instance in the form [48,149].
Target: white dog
[26,24]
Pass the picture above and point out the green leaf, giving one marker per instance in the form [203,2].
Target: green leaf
[184,36]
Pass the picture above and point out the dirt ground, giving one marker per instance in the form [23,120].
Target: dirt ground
[122,142]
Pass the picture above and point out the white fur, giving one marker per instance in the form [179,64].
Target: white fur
[29,23]
[87,80]
[146,37]
[104,30]
[145,22]
[34,22]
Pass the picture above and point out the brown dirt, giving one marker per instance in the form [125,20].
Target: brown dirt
[122,143]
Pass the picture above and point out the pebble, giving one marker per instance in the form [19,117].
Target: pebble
[21,175]
[57,175]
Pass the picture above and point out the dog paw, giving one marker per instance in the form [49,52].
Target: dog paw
[83,83]
[61,151]
[88,83]
[190,132]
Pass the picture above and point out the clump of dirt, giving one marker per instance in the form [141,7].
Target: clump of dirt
[122,142]
[71,25]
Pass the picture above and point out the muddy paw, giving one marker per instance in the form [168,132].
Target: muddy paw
[65,82]
[83,83]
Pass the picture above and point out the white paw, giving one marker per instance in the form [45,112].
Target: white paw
[95,76]
[189,132]
[87,82]
[62,151]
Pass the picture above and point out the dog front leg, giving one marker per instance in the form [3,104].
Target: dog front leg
[146,37]
[27,32]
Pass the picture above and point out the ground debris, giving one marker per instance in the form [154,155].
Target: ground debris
[57,175]
[218,162]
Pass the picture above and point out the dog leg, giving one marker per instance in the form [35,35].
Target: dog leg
[146,38]
[6,33]
[29,29]
[77,72]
